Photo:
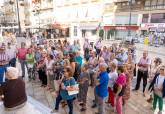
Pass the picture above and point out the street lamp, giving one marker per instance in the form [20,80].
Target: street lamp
[19,25]
[130,16]
[18,16]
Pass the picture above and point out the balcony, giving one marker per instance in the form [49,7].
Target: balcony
[109,8]
[74,2]
[95,0]
[153,7]
[126,7]
[119,1]
[84,1]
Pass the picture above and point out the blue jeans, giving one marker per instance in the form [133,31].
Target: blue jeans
[12,62]
[2,71]
[69,102]
[23,64]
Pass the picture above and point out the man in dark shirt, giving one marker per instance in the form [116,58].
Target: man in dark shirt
[13,90]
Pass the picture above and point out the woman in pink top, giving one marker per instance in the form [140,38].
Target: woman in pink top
[121,83]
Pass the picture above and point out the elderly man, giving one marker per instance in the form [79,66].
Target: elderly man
[101,87]
[4,62]
[143,69]
[14,95]
[122,57]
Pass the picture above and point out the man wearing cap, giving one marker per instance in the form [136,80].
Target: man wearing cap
[21,57]
[4,62]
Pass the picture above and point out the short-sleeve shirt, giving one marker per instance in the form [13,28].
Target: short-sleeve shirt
[22,53]
[64,93]
[144,61]
[84,75]
[102,88]
[30,58]
[112,78]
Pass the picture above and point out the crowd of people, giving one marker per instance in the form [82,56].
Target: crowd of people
[68,71]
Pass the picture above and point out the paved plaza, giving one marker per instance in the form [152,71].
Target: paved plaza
[136,105]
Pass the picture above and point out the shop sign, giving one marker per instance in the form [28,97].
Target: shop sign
[152,25]
[121,27]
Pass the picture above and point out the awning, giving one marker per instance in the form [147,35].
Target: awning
[121,27]
[60,25]
[88,26]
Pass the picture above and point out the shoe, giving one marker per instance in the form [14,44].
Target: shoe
[94,106]
[63,104]
[144,95]
[134,90]
[160,112]
[81,104]
[54,111]
[83,109]
[150,100]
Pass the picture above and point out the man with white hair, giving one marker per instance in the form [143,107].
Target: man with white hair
[102,87]
[122,57]
[13,91]
[14,95]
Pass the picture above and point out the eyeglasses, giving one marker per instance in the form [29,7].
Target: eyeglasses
[161,68]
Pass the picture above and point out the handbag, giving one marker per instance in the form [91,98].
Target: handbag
[74,92]
[158,92]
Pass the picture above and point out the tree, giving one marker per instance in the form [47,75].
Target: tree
[101,33]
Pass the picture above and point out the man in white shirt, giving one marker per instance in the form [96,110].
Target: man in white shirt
[143,65]
[11,51]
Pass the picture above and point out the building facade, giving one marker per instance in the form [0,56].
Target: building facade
[81,17]
[9,14]
[130,17]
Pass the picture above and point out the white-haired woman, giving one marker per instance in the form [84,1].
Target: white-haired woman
[13,95]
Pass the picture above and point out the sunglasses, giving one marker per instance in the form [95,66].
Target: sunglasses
[161,68]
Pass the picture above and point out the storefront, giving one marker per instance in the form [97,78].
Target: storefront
[120,32]
[153,27]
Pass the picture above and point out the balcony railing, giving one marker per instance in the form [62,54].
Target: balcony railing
[116,1]
[135,7]
[153,7]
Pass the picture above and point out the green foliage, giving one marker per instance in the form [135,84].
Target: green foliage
[101,33]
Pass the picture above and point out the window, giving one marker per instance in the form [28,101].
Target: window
[145,18]
[75,30]
[158,18]
[147,3]
[160,2]
[153,2]
[138,2]
[123,4]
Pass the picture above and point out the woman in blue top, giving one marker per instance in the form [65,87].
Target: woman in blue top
[67,84]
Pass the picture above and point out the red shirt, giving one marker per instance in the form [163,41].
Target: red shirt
[22,53]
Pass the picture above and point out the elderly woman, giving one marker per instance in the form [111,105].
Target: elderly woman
[14,96]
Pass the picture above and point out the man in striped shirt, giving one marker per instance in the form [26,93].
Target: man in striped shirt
[4,61]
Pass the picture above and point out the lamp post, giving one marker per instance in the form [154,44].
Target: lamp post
[130,16]
[11,2]
[19,25]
